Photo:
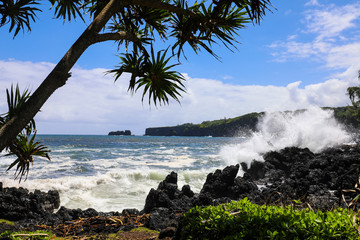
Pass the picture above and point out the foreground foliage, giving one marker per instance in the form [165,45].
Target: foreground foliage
[23,147]
[244,220]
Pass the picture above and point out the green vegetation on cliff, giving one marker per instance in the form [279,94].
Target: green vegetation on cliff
[348,116]
[219,128]
[242,125]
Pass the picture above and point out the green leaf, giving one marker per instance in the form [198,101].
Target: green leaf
[67,9]
[153,74]
[25,148]
[18,13]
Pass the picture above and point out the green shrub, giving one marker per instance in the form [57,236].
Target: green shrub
[244,220]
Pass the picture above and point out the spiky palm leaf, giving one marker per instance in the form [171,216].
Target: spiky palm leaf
[18,13]
[15,101]
[152,20]
[209,25]
[25,149]
[153,74]
[67,9]
[159,81]
[24,146]
[131,63]
[354,94]
[94,7]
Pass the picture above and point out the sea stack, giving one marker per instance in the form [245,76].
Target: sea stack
[120,133]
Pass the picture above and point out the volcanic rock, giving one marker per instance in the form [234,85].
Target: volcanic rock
[19,204]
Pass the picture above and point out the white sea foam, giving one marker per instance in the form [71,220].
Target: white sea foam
[112,191]
[110,174]
[313,128]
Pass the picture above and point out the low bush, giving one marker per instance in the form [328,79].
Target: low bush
[244,220]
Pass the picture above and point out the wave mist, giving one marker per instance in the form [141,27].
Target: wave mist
[314,128]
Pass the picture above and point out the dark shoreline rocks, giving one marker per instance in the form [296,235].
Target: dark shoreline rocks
[285,175]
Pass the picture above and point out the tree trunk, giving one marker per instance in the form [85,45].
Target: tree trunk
[56,79]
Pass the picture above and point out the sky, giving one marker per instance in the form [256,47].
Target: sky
[305,53]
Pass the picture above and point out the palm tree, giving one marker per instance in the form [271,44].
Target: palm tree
[354,94]
[23,146]
[135,25]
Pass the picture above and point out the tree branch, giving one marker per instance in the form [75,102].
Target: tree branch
[159,5]
[115,37]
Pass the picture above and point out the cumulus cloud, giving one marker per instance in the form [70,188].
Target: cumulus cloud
[91,103]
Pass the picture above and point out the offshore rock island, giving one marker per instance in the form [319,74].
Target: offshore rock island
[120,133]
[244,124]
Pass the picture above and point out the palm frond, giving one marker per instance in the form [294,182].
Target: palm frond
[130,63]
[354,95]
[159,81]
[211,25]
[25,148]
[15,101]
[18,13]
[153,74]
[67,9]
[94,7]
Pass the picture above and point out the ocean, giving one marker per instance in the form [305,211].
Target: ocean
[112,173]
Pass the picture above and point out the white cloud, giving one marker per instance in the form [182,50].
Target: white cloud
[331,34]
[343,56]
[332,20]
[312,3]
[91,103]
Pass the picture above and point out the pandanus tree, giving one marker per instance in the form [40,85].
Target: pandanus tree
[136,25]
[24,146]
[354,94]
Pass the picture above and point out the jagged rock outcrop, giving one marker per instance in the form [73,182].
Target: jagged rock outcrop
[167,195]
[300,174]
[285,175]
[19,204]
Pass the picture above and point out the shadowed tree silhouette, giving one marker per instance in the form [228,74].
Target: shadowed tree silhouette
[134,25]
[23,146]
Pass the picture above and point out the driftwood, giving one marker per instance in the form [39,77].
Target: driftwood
[84,225]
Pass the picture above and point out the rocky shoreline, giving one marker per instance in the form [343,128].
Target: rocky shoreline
[289,174]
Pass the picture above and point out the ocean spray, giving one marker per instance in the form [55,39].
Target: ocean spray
[313,128]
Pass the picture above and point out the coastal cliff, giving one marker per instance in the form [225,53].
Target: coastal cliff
[242,125]
[218,128]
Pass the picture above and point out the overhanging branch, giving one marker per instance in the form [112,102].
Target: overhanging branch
[115,37]
[159,5]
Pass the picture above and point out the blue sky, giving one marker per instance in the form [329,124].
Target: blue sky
[304,53]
